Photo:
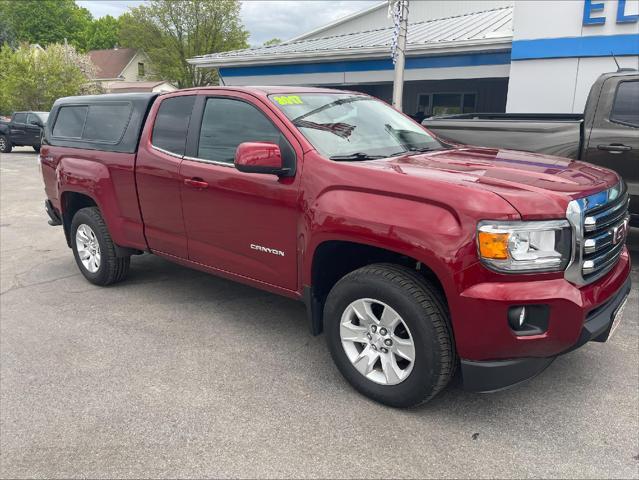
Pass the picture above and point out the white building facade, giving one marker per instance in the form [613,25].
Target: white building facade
[463,56]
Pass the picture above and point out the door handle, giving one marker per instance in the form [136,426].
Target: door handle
[196,183]
[614,148]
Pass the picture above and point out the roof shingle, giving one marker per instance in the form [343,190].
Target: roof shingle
[110,63]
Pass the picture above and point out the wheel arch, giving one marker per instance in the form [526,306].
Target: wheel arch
[332,259]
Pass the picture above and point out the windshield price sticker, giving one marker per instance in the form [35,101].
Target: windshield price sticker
[289,100]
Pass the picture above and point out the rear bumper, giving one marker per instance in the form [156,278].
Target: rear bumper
[481,376]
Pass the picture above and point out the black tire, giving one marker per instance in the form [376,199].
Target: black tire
[36,148]
[112,268]
[426,316]
[5,144]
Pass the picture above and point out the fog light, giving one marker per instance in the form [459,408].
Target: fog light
[527,320]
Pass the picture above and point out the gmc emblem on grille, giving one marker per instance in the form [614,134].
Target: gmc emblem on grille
[619,233]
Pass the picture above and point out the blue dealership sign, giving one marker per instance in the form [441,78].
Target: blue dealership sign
[592,12]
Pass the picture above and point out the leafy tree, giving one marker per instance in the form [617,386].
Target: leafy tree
[102,33]
[172,31]
[32,79]
[272,41]
[46,21]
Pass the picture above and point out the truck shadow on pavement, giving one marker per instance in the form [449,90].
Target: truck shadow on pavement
[236,308]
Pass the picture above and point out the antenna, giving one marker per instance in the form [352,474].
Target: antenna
[616,62]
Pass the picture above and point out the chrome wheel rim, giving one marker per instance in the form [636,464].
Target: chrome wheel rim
[377,341]
[88,248]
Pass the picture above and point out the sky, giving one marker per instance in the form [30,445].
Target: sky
[264,19]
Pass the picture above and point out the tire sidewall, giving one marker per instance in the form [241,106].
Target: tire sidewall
[82,217]
[7,143]
[422,380]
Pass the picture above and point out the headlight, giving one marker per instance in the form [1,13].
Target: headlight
[541,246]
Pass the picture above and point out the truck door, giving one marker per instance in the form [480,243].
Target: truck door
[17,128]
[157,174]
[242,223]
[32,131]
[614,138]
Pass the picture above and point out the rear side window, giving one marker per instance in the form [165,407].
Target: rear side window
[626,107]
[20,118]
[100,123]
[227,123]
[106,123]
[70,121]
[172,124]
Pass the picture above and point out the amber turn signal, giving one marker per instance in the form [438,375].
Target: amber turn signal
[493,245]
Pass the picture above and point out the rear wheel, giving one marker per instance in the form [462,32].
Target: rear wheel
[5,144]
[387,330]
[94,250]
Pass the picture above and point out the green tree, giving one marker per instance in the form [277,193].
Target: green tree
[102,33]
[32,79]
[46,21]
[272,41]
[172,31]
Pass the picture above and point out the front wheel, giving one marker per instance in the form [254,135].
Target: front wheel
[388,333]
[94,250]
[5,144]
[36,148]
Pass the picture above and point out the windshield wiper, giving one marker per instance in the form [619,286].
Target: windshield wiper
[416,150]
[356,156]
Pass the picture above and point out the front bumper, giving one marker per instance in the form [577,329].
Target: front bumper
[488,376]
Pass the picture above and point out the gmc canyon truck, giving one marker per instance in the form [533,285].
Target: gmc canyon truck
[607,133]
[415,257]
[24,129]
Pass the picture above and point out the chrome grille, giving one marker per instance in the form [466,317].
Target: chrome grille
[600,225]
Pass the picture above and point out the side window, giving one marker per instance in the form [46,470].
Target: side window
[70,122]
[106,123]
[31,118]
[172,124]
[626,106]
[226,123]
[20,118]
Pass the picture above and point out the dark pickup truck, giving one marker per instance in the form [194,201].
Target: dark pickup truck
[24,130]
[414,256]
[607,133]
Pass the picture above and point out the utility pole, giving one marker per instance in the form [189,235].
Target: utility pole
[399,58]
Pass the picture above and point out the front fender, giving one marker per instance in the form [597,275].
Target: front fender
[426,231]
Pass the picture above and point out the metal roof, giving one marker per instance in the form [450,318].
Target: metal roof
[478,28]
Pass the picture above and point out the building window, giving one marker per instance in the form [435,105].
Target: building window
[140,69]
[432,104]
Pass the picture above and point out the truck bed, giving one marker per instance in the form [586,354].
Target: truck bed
[552,134]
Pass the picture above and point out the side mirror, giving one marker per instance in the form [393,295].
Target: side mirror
[260,157]
[37,123]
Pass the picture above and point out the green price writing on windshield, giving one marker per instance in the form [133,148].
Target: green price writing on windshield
[289,100]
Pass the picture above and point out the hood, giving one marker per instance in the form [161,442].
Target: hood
[538,186]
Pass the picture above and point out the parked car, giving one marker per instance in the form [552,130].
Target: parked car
[24,129]
[607,134]
[415,257]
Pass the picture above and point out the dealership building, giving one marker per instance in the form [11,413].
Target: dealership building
[461,55]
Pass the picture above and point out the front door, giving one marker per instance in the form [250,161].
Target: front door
[33,132]
[241,223]
[17,129]
[614,138]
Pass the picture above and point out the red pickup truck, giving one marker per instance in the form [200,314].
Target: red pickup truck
[417,257]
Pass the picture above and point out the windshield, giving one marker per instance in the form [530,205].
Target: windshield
[344,126]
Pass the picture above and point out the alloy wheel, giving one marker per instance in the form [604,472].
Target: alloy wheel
[377,341]
[88,248]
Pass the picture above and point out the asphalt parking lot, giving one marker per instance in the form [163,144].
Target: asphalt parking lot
[176,373]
